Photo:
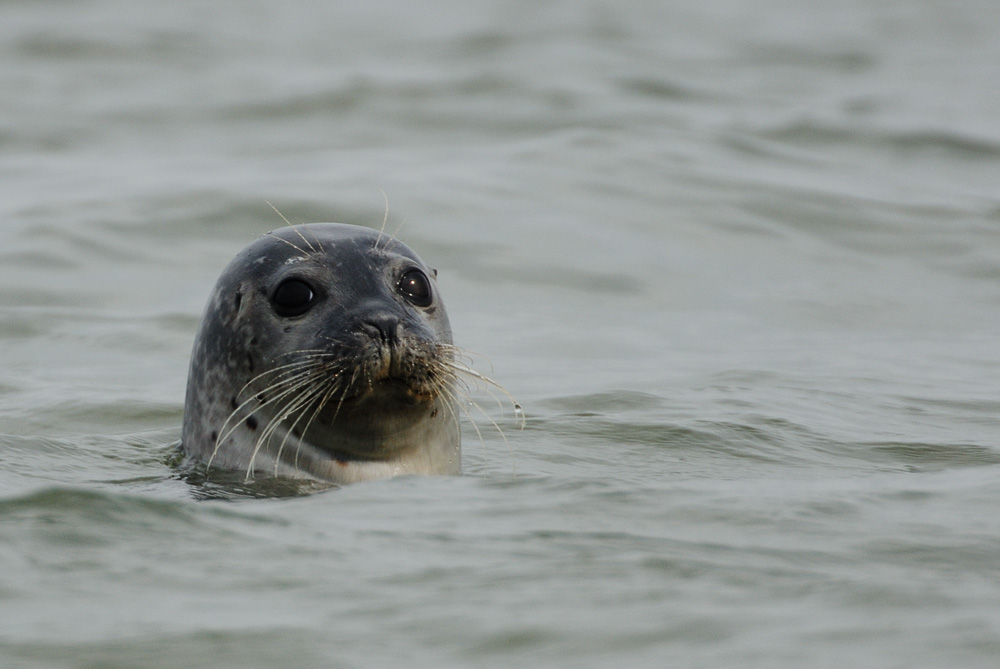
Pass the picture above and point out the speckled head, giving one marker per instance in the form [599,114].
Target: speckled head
[324,352]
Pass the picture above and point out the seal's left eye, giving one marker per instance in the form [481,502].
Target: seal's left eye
[293,297]
[416,287]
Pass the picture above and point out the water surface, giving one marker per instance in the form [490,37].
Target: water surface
[738,261]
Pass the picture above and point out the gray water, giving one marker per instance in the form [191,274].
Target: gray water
[739,262]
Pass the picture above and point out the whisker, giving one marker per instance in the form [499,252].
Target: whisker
[487,384]
[345,393]
[292,407]
[326,386]
[293,245]
[334,387]
[287,222]
[385,219]
[287,385]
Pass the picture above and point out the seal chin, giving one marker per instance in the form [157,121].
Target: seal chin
[388,410]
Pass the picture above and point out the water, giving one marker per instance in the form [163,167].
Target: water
[739,262]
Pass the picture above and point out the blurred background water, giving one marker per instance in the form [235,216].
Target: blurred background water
[738,260]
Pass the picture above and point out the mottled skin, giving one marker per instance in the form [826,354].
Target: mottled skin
[388,405]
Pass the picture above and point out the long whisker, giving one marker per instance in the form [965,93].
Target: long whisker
[299,403]
[287,222]
[334,387]
[293,245]
[325,385]
[277,371]
[469,402]
[488,383]
[385,219]
[345,393]
[294,406]
[306,391]
[287,386]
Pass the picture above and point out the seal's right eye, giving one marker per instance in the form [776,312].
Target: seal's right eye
[293,297]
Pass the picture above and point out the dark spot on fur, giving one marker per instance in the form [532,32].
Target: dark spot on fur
[239,300]
[215,436]
[250,362]
[233,403]
[434,413]
[251,422]
[261,397]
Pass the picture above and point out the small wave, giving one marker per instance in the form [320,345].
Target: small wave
[931,141]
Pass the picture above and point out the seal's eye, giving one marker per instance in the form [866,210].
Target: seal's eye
[293,297]
[416,287]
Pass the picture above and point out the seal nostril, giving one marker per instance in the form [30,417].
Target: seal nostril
[383,328]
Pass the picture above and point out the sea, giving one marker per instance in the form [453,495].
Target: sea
[736,261]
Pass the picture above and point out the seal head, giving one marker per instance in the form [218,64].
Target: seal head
[324,352]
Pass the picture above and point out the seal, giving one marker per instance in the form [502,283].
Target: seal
[324,352]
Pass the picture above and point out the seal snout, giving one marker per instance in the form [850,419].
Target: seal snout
[395,353]
[384,333]
[385,328]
